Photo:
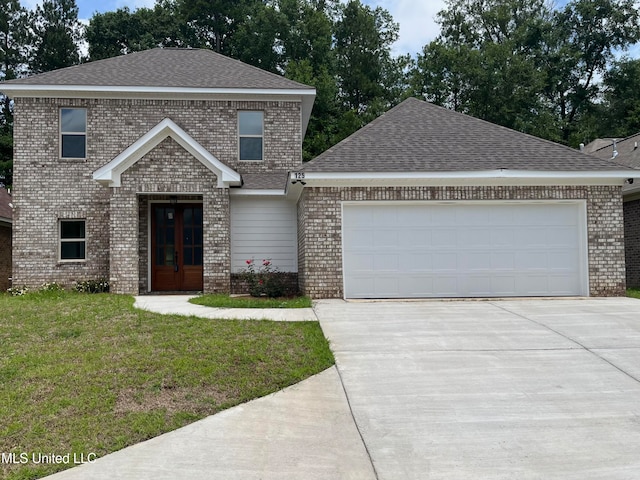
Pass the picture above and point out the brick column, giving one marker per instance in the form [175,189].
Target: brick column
[124,268]
[217,241]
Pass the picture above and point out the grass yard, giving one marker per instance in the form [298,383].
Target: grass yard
[633,292]
[225,301]
[88,374]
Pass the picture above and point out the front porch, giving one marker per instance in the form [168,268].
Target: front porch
[170,242]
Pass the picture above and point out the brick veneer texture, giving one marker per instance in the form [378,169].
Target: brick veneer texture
[5,257]
[47,189]
[632,242]
[320,218]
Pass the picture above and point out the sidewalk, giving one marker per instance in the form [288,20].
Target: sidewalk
[303,432]
[179,305]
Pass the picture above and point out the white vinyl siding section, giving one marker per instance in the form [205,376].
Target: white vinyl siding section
[465,249]
[264,228]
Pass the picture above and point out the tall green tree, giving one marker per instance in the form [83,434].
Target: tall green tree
[581,46]
[122,31]
[621,106]
[363,39]
[57,36]
[484,61]
[214,22]
[523,64]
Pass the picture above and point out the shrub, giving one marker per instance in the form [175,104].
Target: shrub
[263,281]
[92,286]
[51,287]
[18,291]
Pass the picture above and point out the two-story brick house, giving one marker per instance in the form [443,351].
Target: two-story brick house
[166,170]
[139,168]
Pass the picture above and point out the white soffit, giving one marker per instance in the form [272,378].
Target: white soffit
[109,175]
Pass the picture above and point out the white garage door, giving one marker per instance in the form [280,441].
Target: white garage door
[464,249]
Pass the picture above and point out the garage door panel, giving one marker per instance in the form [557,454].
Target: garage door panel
[561,236]
[385,237]
[360,238]
[444,237]
[464,249]
[445,262]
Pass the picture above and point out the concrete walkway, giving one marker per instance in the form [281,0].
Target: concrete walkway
[179,305]
[304,432]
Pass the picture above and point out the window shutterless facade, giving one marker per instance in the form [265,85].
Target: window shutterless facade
[73,133]
[250,133]
[73,240]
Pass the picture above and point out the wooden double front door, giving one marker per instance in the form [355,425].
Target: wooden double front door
[176,247]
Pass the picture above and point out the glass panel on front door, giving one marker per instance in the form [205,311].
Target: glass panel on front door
[192,236]
[165,236]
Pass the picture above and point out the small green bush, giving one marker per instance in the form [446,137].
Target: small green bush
[18,291]
[263,281]
[92,286]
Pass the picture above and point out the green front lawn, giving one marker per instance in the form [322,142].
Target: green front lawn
[90,374]
[225,301]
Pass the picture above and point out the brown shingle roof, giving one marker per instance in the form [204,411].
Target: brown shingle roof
[164,67]
[264,181]
[5,200]
[417,136]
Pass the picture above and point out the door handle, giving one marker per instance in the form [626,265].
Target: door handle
[175,264]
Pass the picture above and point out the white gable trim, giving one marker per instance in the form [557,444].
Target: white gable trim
[109,174]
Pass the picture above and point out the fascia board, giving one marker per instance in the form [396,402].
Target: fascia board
[80,91]
[498,177]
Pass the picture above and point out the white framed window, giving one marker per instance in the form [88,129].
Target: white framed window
[250,135]
[73,133]
[73,240]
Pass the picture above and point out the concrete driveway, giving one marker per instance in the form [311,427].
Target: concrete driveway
[527,389]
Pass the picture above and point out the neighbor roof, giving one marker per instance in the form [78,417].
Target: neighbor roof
[417,136]
[628,151]
[164,67]
[5,209]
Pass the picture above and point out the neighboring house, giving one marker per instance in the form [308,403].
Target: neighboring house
[626,152]
[166,170]
[6,221]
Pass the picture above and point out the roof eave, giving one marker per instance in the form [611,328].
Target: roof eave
[486,177]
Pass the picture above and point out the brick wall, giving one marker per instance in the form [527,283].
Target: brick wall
[320,238]
[632,242]
[47,189]
[5,256]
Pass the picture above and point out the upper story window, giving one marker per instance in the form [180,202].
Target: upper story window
[250,130]
[73,133]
